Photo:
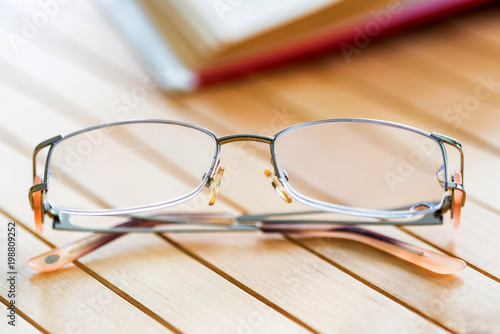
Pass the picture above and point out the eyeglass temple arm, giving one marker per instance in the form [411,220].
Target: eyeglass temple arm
[226,222]
[433,218]
[432,261]
[59,257]
[435,262]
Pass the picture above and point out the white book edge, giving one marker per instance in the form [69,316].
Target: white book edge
[164,64]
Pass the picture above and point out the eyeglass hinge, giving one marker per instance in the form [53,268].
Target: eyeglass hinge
[450,185]
[34,189]
[447,139]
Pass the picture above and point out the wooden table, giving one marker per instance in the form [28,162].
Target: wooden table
[71,74]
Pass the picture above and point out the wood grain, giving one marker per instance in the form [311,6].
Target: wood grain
[77,71]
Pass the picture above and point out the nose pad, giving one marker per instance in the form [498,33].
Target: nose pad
[214,184]
[457,197]
[277,186]
[440,177]
[420,207]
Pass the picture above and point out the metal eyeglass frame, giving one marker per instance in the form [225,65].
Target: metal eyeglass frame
[268,223]
[278,180]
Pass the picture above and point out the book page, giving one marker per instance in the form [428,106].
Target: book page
[234,20]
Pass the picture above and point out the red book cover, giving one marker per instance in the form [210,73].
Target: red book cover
[349,39]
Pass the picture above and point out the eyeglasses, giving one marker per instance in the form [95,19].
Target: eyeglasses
[357,167]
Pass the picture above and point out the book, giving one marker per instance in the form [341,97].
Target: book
[189,44]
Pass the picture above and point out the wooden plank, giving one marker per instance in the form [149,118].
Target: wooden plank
[456,108]
[259,126]
[447,316]
[108,263]
[190,295]
[345,90]
[88,305]
[297,297]
[434,295]
[176,271]
[21,324]
[297,301]
[483,26]
[468,64]
[479,164]
[230,101]
[429,293]
[476,237]
[299,281]
[25,166]
[464,103]
[90,31]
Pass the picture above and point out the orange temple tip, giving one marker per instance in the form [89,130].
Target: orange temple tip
[50,261]
[38,207]
[457,200]
[424,258]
